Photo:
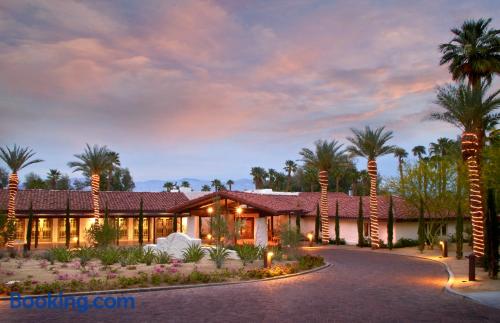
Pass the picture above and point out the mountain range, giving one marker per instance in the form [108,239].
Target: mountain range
[156,185]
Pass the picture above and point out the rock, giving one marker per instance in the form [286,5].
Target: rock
[175,244]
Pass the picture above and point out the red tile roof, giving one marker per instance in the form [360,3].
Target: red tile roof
[54,201]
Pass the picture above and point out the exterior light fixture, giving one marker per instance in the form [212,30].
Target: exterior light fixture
[75,239]
[310,237]
[209,236]
[269,258]
[444,248]
[210,210]
[239,210]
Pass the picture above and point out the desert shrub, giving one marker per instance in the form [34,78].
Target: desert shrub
[45,288]
[109,256]
[85,254]
[248,253]
[156,279]
[196,277]
[148,256]
[193,253]
[218,255]
[276,250]
[308,262]
[49,256]
[162,257]
[404,242]
[277,270]
[289,236]
[102,235]
[61,254]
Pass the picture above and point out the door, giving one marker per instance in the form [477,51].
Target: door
[164,227]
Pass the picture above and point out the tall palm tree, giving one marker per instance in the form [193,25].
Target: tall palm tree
[205,188]
[371,144]
[94,161]
[443,147]
[419,151]
[400,154]
[52,177]
[473,53]
[16,159]
[290,167]
[323,159]
[470,109]
[168,186]
[185,184]
[217,185]
[230,184]
[113,161]
[259,175]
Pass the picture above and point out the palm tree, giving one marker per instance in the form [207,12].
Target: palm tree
[230,184]
[52,177]
[400,154]
[473,53]
[418,151]
[290,167]
[113,161]
[371,144]
[168,186]
[205,188]
[16,159]
[469,109]
[185,184]
[259,176]
[323,159]
[443,147]
[94,161]
[217,185]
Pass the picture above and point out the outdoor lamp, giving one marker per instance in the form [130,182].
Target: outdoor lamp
[444,248]
[310,237]
[210,210]
[269,258]
[209,236]
[239,210]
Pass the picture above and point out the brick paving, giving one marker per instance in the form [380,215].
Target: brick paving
[360,287]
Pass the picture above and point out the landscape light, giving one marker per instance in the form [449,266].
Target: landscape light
[209,236]
[269,257]
[210,210]
[310,237]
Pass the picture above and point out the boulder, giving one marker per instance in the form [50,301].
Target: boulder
[174,244]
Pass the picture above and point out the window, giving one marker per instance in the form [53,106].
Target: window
[45,229]
[20,224]
[246,231]
[144,229]
[62,228]
[123,228]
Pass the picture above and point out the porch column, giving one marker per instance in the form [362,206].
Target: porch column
[55,230]
[260,229]
[193,226]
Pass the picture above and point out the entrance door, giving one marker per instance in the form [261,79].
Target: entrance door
[246,231]
[164,227]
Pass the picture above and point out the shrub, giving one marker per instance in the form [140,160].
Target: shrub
[276,250]
[404,242]
[148,256]
[218,255]
[289,236]
[196,277]
[162,257]
[308,262]
[248,253]
[341,241]
[102,235]
[109,256]
[193,253]
[85,254]
[61,254]
[49,256]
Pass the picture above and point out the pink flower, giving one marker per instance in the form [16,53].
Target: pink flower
[63,277]
[111,275]
[158,270]
[173,270]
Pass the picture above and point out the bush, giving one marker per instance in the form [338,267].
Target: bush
[162,257]
[109,256]
[102,235]
[289,236]
[404,242]
[148,256]
[85,254]
[274,271]
[61,254]
[276,250]
[193,253]
[308,262]
[248,253]
[218,255]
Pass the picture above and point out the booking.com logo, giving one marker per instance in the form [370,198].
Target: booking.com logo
[60,302]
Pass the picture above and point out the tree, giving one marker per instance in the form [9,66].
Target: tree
[459,230]
[470,110]
[122,180]
[473,53]
[33,181]
[185,184]
[29,228]
[113,162]
[337,223]
[53,177]
[64,183]
[390,225]
[16,159]
[317,224]
[323,159]
[259,175]
[94,161]
[169,186]
[361,237]
[421,227]
[141,222]
[290,167]
[371,144]
[217,185]
[205,188]
[493,236]
[67,224]
[218,223]
[418,151]
[230,184]
[400,154]
[4,178]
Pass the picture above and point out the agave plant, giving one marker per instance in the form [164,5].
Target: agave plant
[218,255]
[162,257]
[193,253]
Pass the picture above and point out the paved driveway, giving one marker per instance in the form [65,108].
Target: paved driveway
[360,286]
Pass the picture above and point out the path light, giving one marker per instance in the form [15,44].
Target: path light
[209,236]
[269,257]
[310,237]
[444,248]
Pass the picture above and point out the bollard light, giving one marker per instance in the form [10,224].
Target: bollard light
[444,248]
[310,237]
[269,258]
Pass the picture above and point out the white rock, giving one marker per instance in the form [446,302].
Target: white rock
[175,244]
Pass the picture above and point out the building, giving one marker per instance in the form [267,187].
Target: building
[260,215]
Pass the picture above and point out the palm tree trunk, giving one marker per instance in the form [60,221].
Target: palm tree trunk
[323,182]
[110,174]
[372,172]
[470,150]
[11,209]
[401,180]
[95,180]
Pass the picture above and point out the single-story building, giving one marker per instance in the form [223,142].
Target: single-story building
[261,214]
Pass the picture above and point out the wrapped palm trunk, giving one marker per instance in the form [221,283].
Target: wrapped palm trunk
[323,182]
[470,151]
[372,172]
[11,208]
[95,179]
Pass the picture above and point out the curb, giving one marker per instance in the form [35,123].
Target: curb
[175,287]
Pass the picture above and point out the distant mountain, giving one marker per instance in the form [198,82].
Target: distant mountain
[156,185]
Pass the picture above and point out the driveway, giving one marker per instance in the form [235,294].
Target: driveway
[360,286]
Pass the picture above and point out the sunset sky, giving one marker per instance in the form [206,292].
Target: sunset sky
[211,88]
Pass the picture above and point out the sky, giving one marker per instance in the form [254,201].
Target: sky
[209,89]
